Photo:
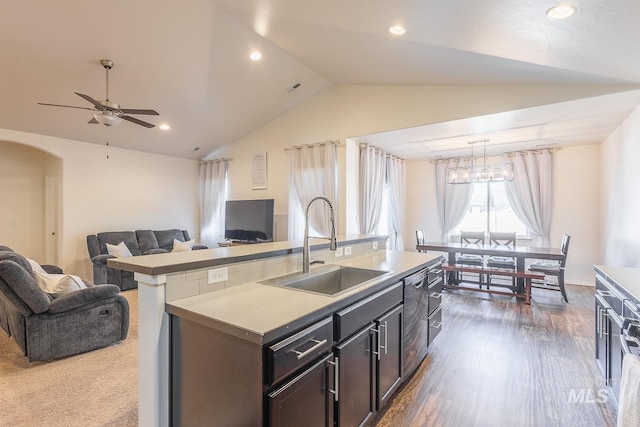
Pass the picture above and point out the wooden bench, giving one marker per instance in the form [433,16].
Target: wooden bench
[491,271]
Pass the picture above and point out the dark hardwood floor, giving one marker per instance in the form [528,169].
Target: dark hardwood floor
[499,362]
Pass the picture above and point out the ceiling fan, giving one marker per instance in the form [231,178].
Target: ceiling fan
[109,113]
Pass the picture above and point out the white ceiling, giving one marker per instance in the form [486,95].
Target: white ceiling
[189,61]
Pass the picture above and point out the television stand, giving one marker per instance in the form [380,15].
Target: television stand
[228,243]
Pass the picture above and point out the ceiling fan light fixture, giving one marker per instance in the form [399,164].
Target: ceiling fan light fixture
[164,126]
[107,118]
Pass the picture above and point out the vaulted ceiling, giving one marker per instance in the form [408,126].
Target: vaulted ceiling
[189,60]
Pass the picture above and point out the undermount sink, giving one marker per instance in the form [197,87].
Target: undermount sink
[328,279]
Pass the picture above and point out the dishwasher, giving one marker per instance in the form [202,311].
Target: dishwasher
[416,321]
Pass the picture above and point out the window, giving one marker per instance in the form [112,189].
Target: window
[490,210]
[383,224]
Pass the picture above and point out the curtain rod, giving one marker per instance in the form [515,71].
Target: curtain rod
[337,143]
[377,150]
[221,159]
[508,153]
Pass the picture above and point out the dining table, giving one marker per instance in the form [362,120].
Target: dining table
[520,253]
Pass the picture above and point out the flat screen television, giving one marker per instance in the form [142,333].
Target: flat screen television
[249,221]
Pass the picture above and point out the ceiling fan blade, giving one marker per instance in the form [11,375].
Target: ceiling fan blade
[137,121]
[66,106]
[91,100]
[93,121]
[134,111]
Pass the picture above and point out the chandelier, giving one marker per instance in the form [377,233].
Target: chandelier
[479,173]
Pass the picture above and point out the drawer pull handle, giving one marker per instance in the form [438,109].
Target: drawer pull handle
[336,378]
[386,333]
[605,293]
[436,325]
[436,295]
[305,353]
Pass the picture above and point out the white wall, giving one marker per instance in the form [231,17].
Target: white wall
[341,112]
[620,204]
[576,174]
[130,190]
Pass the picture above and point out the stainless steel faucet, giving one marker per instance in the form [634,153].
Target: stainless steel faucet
[305,248]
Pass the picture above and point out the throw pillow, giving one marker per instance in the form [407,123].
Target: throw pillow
[179,246]
[120,250]
[57,285]
[37,268]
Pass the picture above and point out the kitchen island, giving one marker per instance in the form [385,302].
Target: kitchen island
[248,314]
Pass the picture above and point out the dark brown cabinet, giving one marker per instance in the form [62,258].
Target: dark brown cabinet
[306,400]
[355,403]
[389,357]
[370,361]
[612,306]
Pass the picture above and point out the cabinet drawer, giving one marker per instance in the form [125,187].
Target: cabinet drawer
[434,273]
[435,324]
[435,294]
[287,356]
[356,316]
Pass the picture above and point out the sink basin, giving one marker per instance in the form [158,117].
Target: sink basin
[328,280]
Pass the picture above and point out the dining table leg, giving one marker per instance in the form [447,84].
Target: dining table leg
[520,269]
[453,278]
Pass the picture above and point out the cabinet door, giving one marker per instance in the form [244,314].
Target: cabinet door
[602,326]
[355,374]
[305,400]
[389,359]
[615,353]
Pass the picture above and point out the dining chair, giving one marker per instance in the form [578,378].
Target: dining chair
[420,237]
[554,270]
[472,238]
[508,241]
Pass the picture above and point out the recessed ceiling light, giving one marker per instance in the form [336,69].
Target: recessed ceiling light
[164,126]
[561,11]
[255,55]
[397,30]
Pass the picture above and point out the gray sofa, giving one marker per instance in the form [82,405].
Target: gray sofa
[139,242]
[48,328]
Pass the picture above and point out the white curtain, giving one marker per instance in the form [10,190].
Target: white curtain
[213,196]
[453,199]
[372,178]
[312,172]
[530,191]
[396,179]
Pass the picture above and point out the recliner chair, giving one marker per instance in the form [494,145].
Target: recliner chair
[48,328]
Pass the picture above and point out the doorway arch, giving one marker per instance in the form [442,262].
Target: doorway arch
[31,191]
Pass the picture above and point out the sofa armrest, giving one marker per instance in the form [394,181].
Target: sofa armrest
[198,247]
[101,259]
[82,297]
[52,269]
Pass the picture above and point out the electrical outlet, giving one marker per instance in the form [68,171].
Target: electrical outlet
[347,250]
[375,245]
[338,252]
[217,275]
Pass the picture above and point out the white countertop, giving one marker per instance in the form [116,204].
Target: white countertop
[626,277]
[253,311]
[191,260]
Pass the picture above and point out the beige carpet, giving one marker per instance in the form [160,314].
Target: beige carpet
[98,388]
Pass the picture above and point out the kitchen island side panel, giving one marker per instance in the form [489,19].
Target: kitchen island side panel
[215,377]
